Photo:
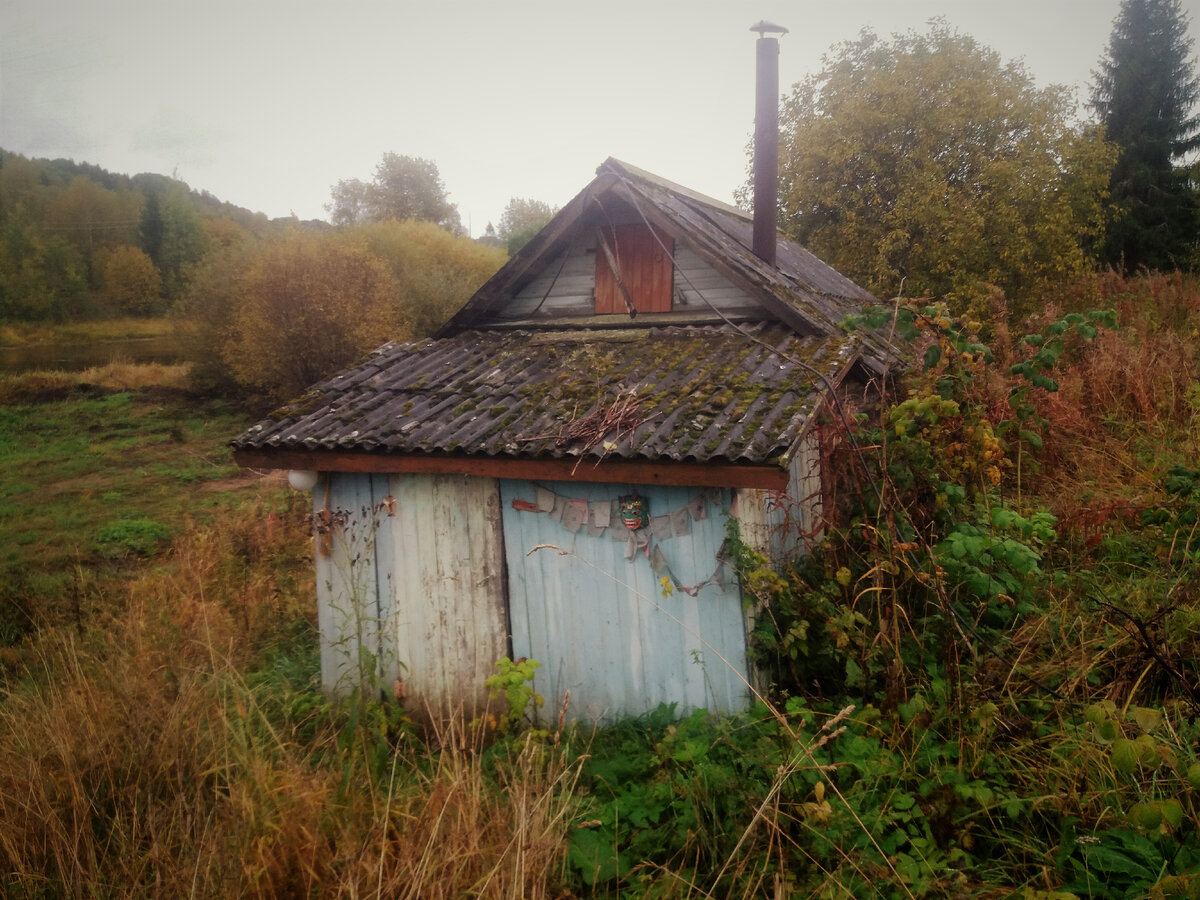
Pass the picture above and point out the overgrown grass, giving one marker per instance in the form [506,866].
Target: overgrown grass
[989,705]
[39,386]
[18,334]
[178,746]
[161,729]
[96,478]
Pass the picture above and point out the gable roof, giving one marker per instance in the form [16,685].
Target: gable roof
[601,398]
[800,290]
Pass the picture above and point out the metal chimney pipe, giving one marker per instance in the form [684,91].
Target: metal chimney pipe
[766,139]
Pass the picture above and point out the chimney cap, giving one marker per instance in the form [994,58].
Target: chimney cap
[764,28]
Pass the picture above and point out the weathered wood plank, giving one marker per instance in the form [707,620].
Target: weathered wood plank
[451,612]
[609,471]
[349,607]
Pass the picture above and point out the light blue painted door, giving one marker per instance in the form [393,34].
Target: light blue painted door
[595,616]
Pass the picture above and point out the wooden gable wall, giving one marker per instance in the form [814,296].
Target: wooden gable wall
[567,287]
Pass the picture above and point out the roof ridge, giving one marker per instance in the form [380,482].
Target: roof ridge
[643,175]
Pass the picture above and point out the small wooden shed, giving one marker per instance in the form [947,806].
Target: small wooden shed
[552,474]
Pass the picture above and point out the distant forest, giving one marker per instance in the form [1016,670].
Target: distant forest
[266,306]
[79,241]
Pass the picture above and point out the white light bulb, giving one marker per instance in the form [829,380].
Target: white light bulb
[302,479]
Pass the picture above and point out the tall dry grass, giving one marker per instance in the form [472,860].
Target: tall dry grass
[122,375]
[156,753]
[1126,389]
[41,385]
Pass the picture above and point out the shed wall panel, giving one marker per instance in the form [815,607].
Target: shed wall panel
[410,587]
[783,525]
[450,621]
[353,579]
[599,624]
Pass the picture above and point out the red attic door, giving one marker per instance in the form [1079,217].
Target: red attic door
[645,268]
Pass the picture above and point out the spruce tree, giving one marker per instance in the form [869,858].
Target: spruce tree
[1144,93]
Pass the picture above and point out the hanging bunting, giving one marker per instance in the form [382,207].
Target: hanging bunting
[640,531]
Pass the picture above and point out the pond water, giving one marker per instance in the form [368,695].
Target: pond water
[77,357]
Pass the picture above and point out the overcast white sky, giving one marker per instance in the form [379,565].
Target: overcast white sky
[266,104]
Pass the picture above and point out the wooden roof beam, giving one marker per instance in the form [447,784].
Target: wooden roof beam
[611,471]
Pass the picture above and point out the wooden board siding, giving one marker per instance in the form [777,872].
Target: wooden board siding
[564,287]
[353,563]
[414,577]
[782,524]
[696,285]
[599,624]
[450,621]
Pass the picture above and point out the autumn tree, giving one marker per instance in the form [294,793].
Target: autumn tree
[42,277]
[925,164]
[1144,93]
[93,218]
[404,187]
[205,314]
[132,284]
[521,220]
[435,272]
[296,309]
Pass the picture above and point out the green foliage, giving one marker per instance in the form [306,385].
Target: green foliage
[1144,95]
[966,699]
[89,479]
[994,561]
[671,793]
[513,685]
[1143,775]
[926,165]
[404,187]
[171,231]
[933,561]
[1025,429]
[1179,516]
[95,218]
[521,220]
[61,223]
[42,277]
[137,537]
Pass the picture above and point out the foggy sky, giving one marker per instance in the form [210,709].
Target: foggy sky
[267,104]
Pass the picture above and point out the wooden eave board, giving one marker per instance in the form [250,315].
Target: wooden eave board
[765,477]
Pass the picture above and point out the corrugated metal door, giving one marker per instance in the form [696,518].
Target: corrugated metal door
[599,624]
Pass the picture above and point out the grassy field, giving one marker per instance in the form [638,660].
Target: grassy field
[97,478]
[987,685]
